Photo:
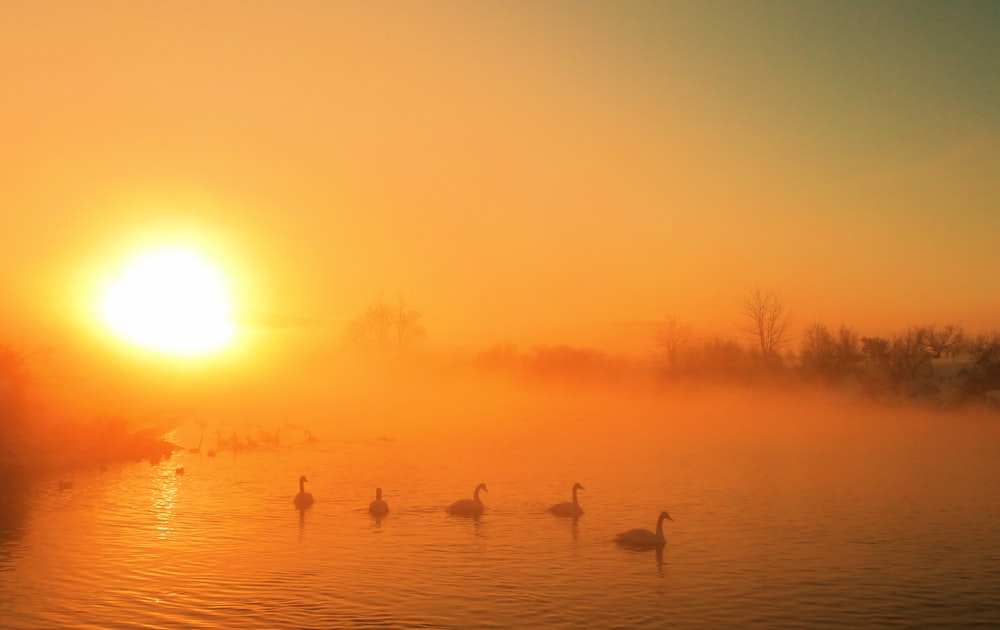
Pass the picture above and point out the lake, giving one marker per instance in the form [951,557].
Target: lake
[802,512]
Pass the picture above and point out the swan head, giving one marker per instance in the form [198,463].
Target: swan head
[482,487]
[577,486]
[664,515]
[303,479]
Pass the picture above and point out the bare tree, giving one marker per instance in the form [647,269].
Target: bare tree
[828,354]
[765,322]
[876,348]
[384,326]
[985,348]
[407,323]
[672,337]
[946,339]
[984,374]
[910,355]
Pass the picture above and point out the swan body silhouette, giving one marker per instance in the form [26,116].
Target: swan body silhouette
[469,507]
[643,538]
[303,499]
[378,506]
[568,508]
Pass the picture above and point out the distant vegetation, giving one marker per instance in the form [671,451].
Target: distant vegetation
[385,327]
[31,443]
[938,365]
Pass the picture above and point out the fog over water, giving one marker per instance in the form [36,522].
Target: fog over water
[803,510]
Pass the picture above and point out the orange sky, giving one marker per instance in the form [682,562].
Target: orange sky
[558,171]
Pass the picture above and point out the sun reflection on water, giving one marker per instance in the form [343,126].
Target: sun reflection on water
[163,494]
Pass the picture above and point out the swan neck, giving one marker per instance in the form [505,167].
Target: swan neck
[302,486]
[574,495]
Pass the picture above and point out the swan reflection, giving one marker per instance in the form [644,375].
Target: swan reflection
[302,521]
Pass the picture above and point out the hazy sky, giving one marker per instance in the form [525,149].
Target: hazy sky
[516,170]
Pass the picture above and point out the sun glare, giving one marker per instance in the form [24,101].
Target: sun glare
[171,300]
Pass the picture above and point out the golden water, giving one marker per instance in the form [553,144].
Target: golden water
[782,518]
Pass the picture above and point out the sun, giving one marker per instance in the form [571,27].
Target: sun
[171,300]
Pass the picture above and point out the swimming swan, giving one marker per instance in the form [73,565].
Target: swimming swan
[469,507]
[643,538]
[378,507]
[303,499]
[567,508]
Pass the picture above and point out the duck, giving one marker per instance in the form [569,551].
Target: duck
[643,538]
[179,470]
[568,508]
[378,507]
[469,507]
[303,499]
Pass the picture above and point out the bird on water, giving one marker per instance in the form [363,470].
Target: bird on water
[378,507]
[469,507]
[303,499]
[643,538]
[568,508]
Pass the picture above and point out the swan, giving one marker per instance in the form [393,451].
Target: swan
[643,538]
[469,507]
[303,499]
[378,506]
[567,508]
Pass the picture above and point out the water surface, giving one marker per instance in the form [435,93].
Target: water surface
[784,516]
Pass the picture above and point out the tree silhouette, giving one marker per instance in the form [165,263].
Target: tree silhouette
[946,339]
[828,354]
[384,326]
[672,337]
[765,322]
[910,354]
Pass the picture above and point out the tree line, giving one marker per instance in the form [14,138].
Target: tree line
[902,364]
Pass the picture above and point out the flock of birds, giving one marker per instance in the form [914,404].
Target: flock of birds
[636,538]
